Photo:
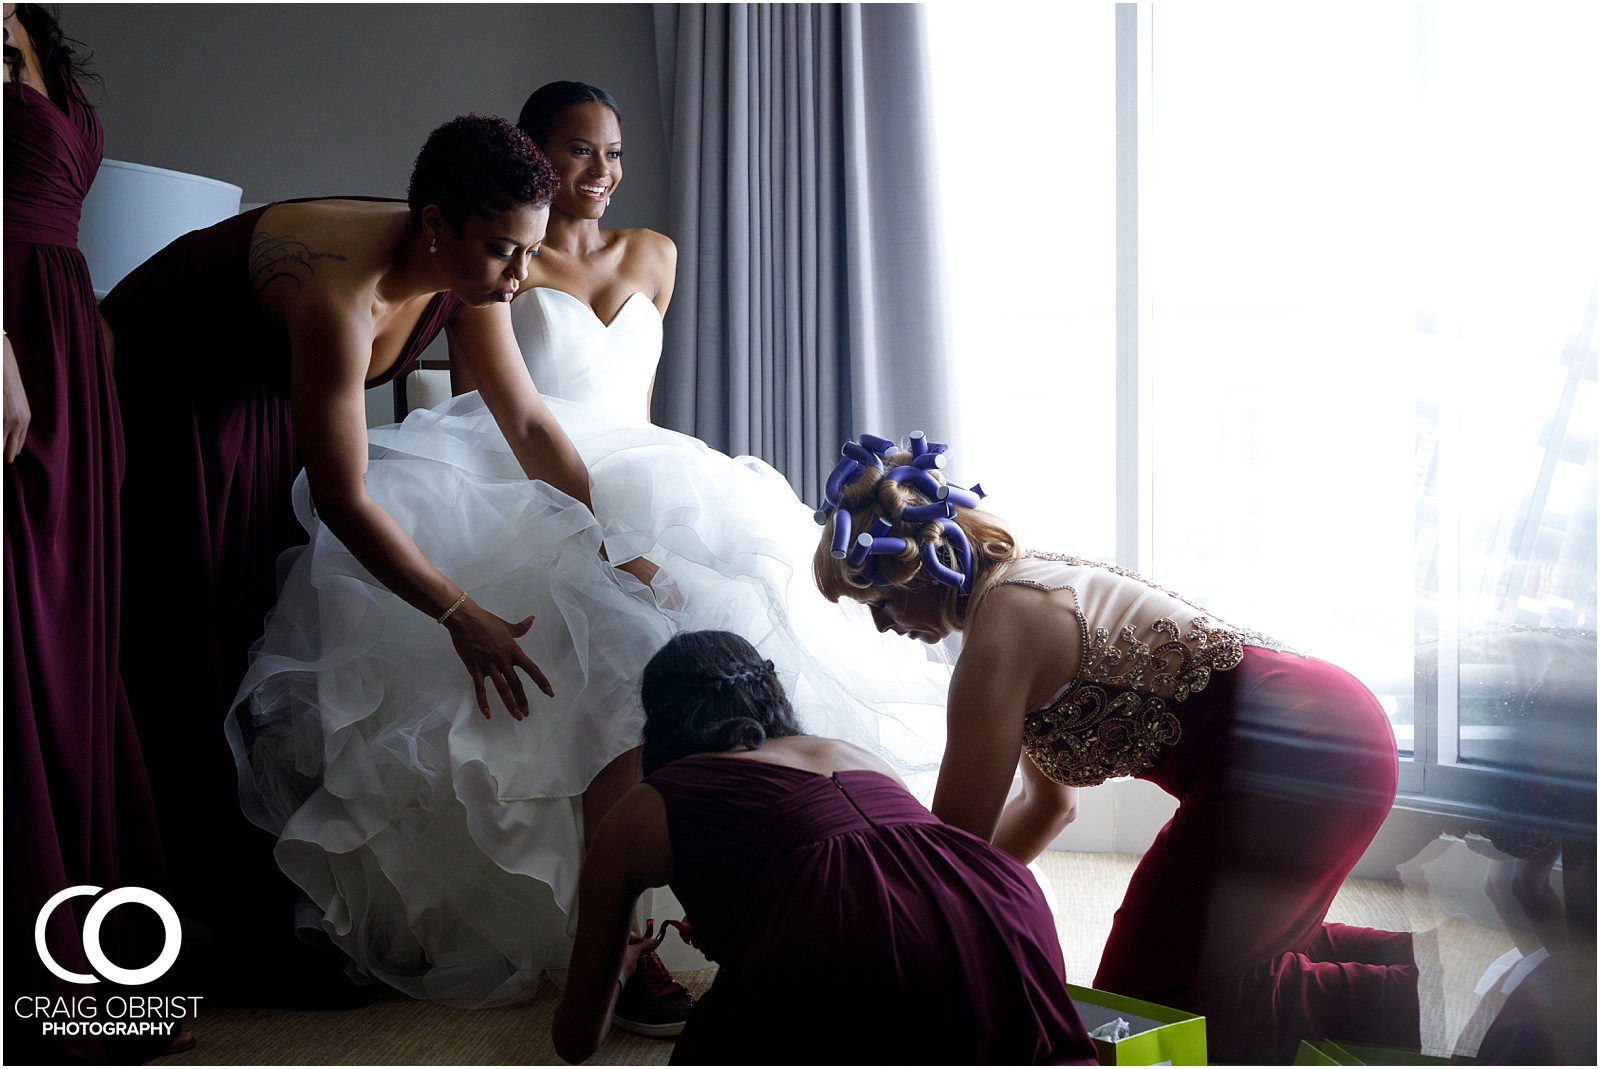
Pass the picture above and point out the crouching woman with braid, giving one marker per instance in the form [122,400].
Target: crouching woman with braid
[1283,766]
[808,867]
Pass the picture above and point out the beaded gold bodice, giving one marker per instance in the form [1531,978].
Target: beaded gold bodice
[1145,649]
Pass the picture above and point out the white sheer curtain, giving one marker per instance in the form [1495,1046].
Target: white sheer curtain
[1367,243]
[1025,128]
[1275,208]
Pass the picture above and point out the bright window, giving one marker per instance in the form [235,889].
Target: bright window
[1026,128]
[1364,244]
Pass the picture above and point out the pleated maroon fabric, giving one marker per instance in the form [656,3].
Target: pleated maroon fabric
[851,926]
[78,808]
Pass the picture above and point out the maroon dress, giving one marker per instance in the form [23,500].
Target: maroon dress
[1283,766]
[852,926]
[203,377]
[77,800]
[1285,772]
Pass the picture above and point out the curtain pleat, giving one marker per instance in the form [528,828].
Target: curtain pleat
[809,303]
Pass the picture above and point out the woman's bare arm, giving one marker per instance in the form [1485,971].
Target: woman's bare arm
[482,340]
[17,413]
[631,852]
[1008,657]
[483,343]
[661,261]
[331,346]
[663,256]
[1032,819]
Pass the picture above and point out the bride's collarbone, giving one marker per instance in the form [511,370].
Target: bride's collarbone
[597,281]
[605,302]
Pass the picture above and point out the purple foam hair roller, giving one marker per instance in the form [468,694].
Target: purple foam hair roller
[919,443]
[841,534]
[861,454]
[965,498]
[880,527]
[918,477]
[881,546]
[930,460]
[843,472]
[957,538]
[938,510]
[858,551]
[881,446]
[936,568]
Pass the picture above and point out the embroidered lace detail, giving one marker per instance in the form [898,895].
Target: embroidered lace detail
[1114,717]
[1090,735]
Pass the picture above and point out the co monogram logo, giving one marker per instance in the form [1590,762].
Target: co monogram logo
[96,916]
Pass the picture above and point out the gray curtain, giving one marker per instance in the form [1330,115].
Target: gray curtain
[809,301]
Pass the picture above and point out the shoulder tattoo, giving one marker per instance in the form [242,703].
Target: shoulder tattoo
[282,256]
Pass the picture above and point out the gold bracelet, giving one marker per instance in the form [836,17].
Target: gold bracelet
[453,607]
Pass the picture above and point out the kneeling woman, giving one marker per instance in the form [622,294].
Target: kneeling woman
[809,869]
[1283,766]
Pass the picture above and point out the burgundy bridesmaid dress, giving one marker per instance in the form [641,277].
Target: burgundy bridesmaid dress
[1283,766]
[852,926]
[203,378]
[1285,771]
[77,800]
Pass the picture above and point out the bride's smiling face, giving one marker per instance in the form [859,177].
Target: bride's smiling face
[585,145]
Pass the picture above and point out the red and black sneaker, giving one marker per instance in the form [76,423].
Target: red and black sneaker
[652,1003]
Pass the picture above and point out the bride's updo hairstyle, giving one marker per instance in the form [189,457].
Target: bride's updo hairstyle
[554,99]
[479,165]
[890,520]
[710,692]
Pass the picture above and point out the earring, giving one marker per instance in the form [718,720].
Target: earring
[608,202]
[433,244]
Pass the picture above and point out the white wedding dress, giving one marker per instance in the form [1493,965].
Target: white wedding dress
[440,850]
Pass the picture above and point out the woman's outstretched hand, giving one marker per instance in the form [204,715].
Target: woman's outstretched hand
[487,645]
[640,945]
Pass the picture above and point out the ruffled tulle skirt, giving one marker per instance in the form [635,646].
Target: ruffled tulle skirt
[441,850]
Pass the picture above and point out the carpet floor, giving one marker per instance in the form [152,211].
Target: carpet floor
[1086,889]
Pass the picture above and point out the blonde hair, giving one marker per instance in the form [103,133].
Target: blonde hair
[872,496]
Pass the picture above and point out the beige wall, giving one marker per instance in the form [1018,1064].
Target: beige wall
[305,100]
[293,100]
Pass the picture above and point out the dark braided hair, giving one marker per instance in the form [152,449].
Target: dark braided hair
[711,692]
[479,165]
[55,50]
[554,99]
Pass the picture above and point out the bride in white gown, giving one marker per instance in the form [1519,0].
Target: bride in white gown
[440,850]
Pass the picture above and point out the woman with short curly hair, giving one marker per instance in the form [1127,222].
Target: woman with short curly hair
[242,353]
